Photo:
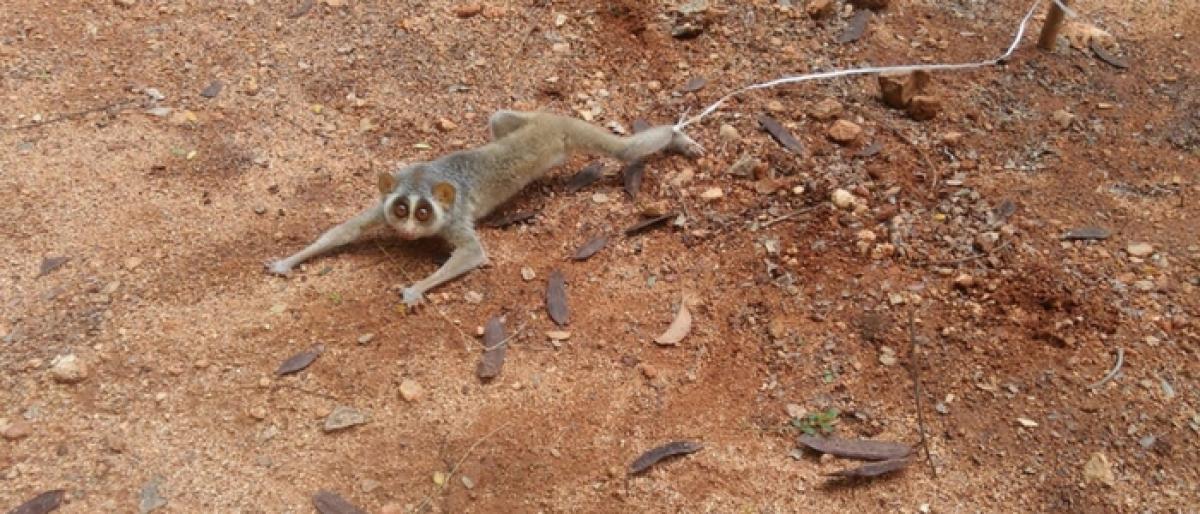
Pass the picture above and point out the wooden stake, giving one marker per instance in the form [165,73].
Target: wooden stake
[1049,38]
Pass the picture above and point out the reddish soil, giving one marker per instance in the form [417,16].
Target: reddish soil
[167,219]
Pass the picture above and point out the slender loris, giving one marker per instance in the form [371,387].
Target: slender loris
[446,196]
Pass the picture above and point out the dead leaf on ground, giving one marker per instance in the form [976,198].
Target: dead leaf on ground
[556,298]
[328,502]
[494,350]
[855,28]
[652,457]
[585,177]
[695,84]
[300,360]
[509,219]
[590,248]
[1103,55]
[50,264]
[858,449]
[42,503]
[780,134]
[871,150]
[632,176]
[647,224]
[679,329]
[872,470]
[302,9]
[1087,234]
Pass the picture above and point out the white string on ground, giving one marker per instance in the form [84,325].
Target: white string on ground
[870,70]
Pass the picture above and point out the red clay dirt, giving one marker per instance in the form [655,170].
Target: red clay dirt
[167,218]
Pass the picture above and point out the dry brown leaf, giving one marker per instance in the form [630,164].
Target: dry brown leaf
[780,134]
[494,350]
[328,502]
[42,503]
[679,329]
[871,470]
[590,248]
[556,298]
[300,360]
[586,177]
[858,449]
[671,449]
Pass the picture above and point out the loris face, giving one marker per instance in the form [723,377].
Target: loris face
[414,205]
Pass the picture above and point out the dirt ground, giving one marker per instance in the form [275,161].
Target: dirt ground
[166,202]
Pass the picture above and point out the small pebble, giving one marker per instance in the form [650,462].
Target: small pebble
[343,417]
[1140,249]
[712,194]
[365,338]
[16,430]
[68,369]
[826,110]
[368,485]
[844,132]
[411,391]
[842,199]
[599,198]
[527,273]
[729,134]
[473,297]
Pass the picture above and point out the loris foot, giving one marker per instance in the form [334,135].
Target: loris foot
[684,145]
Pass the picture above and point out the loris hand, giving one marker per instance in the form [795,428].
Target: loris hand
[412,297]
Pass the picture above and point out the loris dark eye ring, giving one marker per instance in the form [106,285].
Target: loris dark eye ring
[423,213]
[400,210]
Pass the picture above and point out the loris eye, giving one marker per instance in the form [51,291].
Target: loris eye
[400,210]
[423,213]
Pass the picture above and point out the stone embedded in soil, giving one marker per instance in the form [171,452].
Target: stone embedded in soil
[844,132]
[842,199]
[16,430]
[826,110]
[368,485]
[898,89]
[411,391]
[527,273]
[365,338]
[1099,470]
[446,125]
[729,134]
[150,499]
[467,10]
[343,417]
[712,194]
[924,107]
[870,4]
[1063,119]
[1139,249]
[473,297]
[817,9]
[68,369]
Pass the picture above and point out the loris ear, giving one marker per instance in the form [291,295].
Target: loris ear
[444,193]
[386,182]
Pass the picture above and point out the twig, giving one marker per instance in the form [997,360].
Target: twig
[467,340]
[788,216]
[118,105]
[914,370]
[1112,372]
[425,503]
[507,339]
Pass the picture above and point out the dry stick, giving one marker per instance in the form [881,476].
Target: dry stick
[467,341]
[788,216]
[1112,372]
[429,499]
[916,380]
[507,339]
[1049,37]
[118,105]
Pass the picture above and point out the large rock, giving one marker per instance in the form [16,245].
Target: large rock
[897,89]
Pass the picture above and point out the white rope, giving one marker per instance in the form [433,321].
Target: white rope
[877,69]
